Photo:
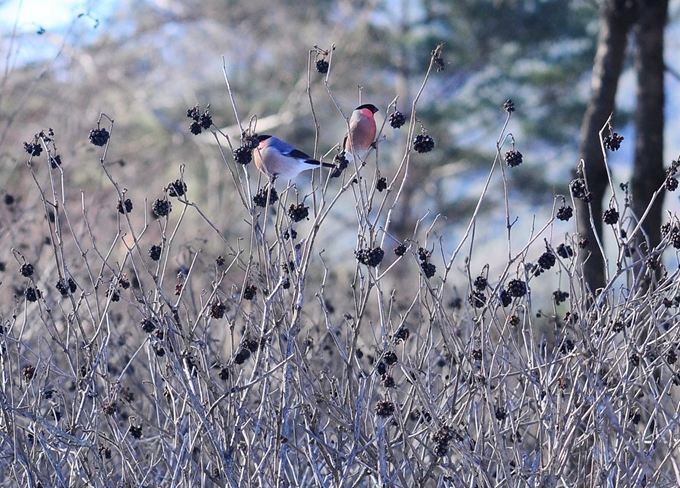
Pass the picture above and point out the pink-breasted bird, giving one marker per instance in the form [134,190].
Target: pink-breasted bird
[279,160]
[361,132]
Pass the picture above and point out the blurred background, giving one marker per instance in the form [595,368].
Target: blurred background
[144,63]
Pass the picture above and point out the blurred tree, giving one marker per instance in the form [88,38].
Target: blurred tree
[616,21]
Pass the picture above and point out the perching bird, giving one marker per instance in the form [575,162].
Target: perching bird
[278,159]
[361,132]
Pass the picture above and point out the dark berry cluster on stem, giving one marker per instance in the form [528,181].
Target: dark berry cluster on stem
[147,326]
[381,184]
[26,270]
[124,207]
[672,233]
[217,309]
[370,257]
[161,208]
[322,66]
[32,294]
[401,334]
[613,141]
[155,252]
[33,148]
[480,283]
[560,296]
[397,119]
[477,299]
[564,251]
[442,438]
[201,121]
[243,155]
[610,216]
[260,200]
[505,297]
[579,190]
[400,250]
[249,292]
[547,260]
[513,158]
[423,143]
[64,287]
[176,188]
[564,213]
[517,288]
[298,212]
[428,268]
[384,408]
[341,163]
[509,106]
[99,137]
[671,182]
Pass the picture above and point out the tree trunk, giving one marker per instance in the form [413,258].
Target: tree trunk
[616,19]
[648,172]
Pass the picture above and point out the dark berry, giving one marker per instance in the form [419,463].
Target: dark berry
[224,374]
[34,149]
[136,431]
[480,283]
[251,344]
[397,119]
[205,120]
[423,254]
[9,199]
[155,252]
[477,299]
[564,213]
[195,128]
[27,270]
[322,66]
[147,326]
[610,216]
[241,356]
[28,372]
[161,208]
[341,163]
[32,294]
[671,357]
[477,354]
[381,368]
[260,200]
[517,288]
[513,158]
[55,161]
[124,207]
[583,242]
[249,292]
[509,106]
[298,212]
[194,113]
[99,137]
[387,381]
[217,309]
[634,359]
[613,141]
[565,251]
[384,408]
[115,296]
[243,155]
[578,188]
[370,257]
[423,143]
[381,184]
[390,358]
[401,334]
[514,320]
[500,413]
[547,260]
[177,188]
[220,261]
[429,269]
[506,299]
[400,250]
[671,183]
[560,296]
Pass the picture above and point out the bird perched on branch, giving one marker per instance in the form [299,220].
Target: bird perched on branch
[279,160]
[361,135]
